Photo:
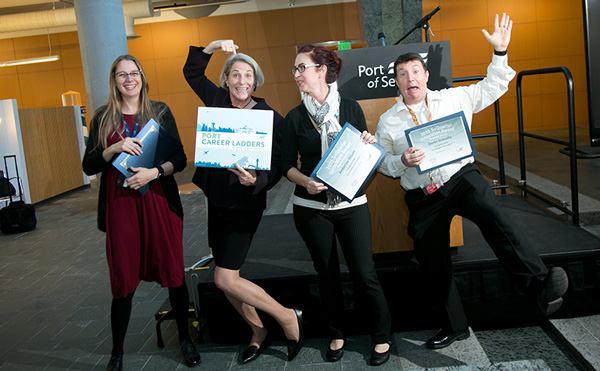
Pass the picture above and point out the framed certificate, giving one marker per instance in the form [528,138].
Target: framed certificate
[348,163]
[225,136]
[444,141]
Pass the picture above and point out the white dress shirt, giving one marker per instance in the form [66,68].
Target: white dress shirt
[469,99]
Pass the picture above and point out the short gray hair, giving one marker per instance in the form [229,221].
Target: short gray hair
[259,78]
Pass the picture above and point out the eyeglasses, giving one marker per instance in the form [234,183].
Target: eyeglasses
[301,68]
[132,74]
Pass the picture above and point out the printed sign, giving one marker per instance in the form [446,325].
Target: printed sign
[368,73]
[226,136]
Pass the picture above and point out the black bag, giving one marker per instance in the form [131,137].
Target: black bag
[6,188]
[17,216]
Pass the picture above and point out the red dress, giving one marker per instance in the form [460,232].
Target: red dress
[144,237]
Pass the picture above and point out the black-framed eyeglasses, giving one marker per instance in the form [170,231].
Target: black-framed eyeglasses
[132,74]
[301,68]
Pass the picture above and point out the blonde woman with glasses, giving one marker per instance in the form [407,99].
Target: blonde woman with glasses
[144,233]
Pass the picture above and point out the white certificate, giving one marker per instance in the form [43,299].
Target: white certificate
[443,141]
[225,136]
[348,163]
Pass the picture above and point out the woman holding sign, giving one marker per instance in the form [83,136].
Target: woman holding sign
[238,197]
[144,232]
[320,215]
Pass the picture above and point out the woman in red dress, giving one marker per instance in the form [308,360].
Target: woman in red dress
[144,232]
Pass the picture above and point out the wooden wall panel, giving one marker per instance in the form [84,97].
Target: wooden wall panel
[318,24]
[171,39]
[10,88]
[69,50]
[545,34]
[169,75]
[270,28]
[566,33]
[521,11]
[142,48]
[352,28]
[73,78]
[524,47]
[476,51]
[223,27]
[7,52]
[552,10]
[51,151]
[42,89]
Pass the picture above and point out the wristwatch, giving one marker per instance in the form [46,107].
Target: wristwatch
[161,171]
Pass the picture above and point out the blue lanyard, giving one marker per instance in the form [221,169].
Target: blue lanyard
[137,122]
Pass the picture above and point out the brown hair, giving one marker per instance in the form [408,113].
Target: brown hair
[408,57]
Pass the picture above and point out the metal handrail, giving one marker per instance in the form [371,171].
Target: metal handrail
[571,143]
[497,134]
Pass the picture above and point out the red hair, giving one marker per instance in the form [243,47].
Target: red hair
[324,57]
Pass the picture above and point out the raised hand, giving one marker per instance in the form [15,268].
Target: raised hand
[501,36]
[227,46]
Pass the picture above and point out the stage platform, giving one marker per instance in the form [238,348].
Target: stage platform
[280,263]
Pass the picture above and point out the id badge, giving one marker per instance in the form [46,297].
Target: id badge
[433,187]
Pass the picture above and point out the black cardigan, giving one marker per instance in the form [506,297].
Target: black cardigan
[301,137]
[221,186]
[94,163]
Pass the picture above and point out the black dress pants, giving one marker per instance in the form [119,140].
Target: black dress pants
[469,195]
[352,226]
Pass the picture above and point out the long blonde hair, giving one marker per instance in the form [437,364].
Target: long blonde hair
[111,114]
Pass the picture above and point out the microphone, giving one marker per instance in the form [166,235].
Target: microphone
[427,17]
[381,38]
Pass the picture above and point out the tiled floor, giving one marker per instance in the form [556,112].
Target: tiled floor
[55,303]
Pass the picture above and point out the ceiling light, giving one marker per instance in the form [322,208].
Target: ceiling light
[47,58]
[17,62]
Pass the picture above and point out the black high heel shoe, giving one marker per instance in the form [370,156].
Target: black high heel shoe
[294,347]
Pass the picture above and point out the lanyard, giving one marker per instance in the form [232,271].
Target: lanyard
[137,122]
[414,116]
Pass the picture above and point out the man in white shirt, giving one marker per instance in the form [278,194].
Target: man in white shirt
[435,197]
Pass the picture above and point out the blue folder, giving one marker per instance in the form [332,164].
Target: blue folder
[152,153]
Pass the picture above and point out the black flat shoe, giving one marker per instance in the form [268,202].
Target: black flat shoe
[444,338]
[252,352]
[115,363]
[377,359]
[191,357]
[294,347]
[335,355]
